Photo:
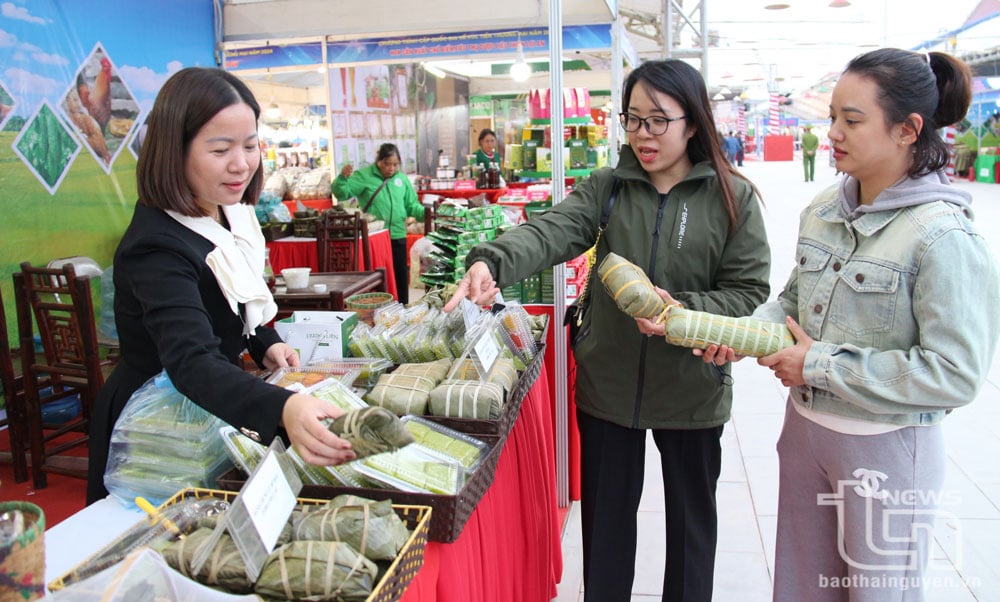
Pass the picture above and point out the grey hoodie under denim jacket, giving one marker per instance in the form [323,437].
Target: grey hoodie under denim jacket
[901,297]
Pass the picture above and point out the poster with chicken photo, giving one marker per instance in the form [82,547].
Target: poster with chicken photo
[101,108]
[6,104]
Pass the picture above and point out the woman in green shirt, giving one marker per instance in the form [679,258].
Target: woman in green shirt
[385,192]
[487,152]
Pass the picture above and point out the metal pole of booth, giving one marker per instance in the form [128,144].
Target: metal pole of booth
[617,56]
[331,157]
[558,271]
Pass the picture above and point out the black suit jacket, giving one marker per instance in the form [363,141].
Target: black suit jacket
[171,314]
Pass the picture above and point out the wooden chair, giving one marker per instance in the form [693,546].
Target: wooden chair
[13,395]
[338,238]
[60,304]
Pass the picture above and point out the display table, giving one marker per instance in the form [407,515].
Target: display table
[509,549]
[339,287]
[295,251]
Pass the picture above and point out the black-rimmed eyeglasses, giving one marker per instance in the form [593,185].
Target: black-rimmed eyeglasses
[655,125]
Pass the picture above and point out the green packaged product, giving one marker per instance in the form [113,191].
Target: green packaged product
[402,394]
[466,399]
[414,471]
[371,430]
[436,370]
[467,453]
[224,568]
[373,528]
[317,570]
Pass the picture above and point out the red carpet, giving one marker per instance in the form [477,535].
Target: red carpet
[63,497]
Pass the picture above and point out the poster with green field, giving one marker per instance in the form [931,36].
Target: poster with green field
[77,82]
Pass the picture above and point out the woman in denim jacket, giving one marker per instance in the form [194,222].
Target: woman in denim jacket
[894,301]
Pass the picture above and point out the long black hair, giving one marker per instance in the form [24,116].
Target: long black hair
[684,83]
[936,86]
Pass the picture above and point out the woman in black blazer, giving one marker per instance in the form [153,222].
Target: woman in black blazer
[189,290]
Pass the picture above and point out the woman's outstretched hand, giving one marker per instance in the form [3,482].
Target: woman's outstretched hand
[477,286]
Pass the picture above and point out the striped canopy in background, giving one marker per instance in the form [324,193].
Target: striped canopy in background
[774,121]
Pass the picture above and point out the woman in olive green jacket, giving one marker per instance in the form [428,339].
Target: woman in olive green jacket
[694,225]
[385,192]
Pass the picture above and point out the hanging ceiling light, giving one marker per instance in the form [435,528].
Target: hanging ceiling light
[520,71]
[776,5]
[435,71]
[839,4]
[273,111]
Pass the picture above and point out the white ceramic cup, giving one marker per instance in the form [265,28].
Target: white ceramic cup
[296,278]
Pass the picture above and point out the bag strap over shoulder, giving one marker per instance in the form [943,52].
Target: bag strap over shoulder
[371,199]
[605,217]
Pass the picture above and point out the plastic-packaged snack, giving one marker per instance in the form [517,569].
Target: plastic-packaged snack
[466,450]
[415,469]
[244,451]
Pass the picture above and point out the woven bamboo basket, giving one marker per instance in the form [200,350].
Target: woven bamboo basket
[396,578]
[365,304]
[22,560]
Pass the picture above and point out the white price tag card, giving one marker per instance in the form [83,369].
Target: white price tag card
[269,500]
[259,512]
[486,350]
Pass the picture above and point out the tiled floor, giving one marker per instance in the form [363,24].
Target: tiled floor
[966,560]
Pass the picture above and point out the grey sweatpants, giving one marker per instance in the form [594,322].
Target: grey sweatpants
[855,512]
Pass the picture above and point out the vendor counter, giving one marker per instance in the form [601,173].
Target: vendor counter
[508,550]
[491,194]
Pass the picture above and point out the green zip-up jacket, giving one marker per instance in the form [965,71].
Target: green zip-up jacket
[394,203]
[682,239]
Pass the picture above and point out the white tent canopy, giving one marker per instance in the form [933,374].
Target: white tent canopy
[246,20]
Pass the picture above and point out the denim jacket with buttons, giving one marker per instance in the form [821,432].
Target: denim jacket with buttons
[901,298]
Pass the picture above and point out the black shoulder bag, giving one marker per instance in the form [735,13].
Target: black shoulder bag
[577,310]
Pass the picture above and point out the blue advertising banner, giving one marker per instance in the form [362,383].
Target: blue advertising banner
[418,48]
[266,57]
[462,44]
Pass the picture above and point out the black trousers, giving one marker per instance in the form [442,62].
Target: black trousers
[611,466]
[400,270]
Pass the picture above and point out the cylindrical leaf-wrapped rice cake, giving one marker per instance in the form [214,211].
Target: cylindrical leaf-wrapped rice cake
[746,336]
[629,286]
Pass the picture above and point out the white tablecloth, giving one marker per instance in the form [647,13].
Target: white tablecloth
[79,536]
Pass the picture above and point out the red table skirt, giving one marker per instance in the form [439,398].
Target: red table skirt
[510,548]
[550,366]
[317,204]
[295,252]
